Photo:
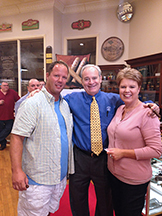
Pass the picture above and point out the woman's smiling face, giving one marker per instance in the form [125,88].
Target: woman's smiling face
[129,90]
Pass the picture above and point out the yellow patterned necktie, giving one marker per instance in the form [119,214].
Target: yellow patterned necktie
[96,135]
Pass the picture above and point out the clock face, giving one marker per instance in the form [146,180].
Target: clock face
[125,12]
[112,49]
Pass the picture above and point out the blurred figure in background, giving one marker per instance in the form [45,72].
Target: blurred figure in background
[33,84]
[8,97]
[42,83]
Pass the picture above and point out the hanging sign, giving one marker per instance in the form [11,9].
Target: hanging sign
[48,56]
[30,24]
[5,27]
[81,24]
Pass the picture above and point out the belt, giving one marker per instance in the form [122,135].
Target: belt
[91,154]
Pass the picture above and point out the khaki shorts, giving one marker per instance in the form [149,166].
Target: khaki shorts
[40,199]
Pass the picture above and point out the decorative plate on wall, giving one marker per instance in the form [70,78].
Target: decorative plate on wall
[112,48]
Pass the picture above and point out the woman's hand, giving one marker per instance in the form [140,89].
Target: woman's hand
[115,153]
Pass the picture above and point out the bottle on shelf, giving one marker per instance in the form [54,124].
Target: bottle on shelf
[152,87]
[149,85]
[144,85]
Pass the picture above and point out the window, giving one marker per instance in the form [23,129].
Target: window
[83,46]
[8,64]
[32,63]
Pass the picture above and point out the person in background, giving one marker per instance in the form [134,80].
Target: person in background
[42,83]
[41,146]
[134,138]
[33,84]
[8,97]
[89,166]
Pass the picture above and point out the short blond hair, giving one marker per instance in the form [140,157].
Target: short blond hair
[129,73]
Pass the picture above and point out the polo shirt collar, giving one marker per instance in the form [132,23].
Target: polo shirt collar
[50,98]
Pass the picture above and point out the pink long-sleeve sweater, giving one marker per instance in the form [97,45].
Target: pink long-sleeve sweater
[139,132]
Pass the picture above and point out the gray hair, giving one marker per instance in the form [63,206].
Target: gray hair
[91,65]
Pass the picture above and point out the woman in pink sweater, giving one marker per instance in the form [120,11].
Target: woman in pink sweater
[134,138]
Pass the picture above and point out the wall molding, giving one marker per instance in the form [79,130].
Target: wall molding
[26,7]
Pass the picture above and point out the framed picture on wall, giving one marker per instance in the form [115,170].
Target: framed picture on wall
[75,63]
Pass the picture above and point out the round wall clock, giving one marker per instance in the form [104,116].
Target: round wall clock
[125,12]
[112,48]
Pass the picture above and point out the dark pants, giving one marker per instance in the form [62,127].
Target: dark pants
[128,200]
[89,168]
[5,130]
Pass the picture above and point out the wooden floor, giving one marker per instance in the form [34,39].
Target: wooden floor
[8,196]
